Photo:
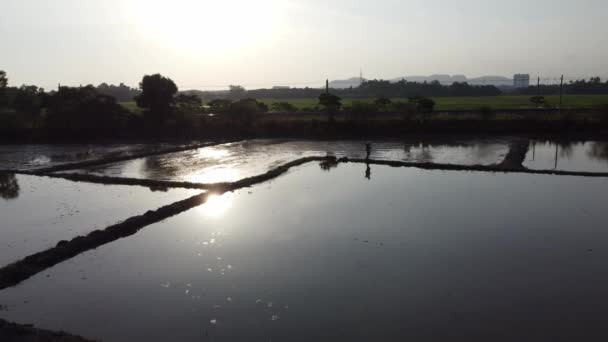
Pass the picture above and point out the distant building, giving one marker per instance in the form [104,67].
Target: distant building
[521,81]
[281,87]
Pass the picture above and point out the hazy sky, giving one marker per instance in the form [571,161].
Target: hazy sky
[213,43]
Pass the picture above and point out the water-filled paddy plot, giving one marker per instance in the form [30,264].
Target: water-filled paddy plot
[341,251]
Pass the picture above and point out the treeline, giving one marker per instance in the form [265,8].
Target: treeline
[88,112]
[593,86]
[369,89]
[67,112]
[121,92]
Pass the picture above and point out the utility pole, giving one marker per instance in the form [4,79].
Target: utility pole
[561,91]
[327,86]
[360,77]
[538,85]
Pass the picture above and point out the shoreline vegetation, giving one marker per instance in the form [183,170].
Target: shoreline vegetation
[158,110]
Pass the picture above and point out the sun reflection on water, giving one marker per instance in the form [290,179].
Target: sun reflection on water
[216,175]
[217,205]
[213,152]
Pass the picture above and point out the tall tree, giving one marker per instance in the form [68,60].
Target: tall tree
[237,92]
[28,103]
[3,84]
[157,94]
[82,111]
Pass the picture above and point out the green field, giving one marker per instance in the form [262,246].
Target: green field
[455,103]
[132,106]
[496,102]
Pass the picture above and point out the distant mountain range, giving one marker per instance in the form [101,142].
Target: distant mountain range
[443,79]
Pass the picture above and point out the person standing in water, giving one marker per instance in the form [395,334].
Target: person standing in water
[368,170]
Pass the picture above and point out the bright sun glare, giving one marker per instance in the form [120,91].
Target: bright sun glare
[216,205]
[216,26]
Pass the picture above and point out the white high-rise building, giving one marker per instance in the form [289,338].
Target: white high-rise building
[521,80]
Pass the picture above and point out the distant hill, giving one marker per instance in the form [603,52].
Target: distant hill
[344,84]
[443,79]
[491,80]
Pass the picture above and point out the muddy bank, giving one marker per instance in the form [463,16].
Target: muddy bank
[160,185]
[516,156]
[498,168]
[21,270]
[11,332]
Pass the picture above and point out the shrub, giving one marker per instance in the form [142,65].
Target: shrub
[486,112]
[423,104]
[362,110]
[283,107]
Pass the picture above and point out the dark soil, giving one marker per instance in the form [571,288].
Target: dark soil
[11,332]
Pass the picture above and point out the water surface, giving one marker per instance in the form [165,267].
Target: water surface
[568,156]
[38,212]
[31,156]
[334,256]
[231,162]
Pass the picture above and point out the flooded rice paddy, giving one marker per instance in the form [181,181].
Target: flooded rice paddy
[587,156]
[38,212]
[27,157]
[351,252]
[231,162]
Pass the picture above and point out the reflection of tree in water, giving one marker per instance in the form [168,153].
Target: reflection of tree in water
[566,149]
[426,154]
[327,165]
[482,151]
[9,188]
[160,168]
[599,151]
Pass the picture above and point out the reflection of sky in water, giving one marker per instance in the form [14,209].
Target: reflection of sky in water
[589,156]
[27,156]
[43,211]
[235,161]
[407,255]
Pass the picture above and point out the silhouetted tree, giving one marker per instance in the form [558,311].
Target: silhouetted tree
[84,112]
[189,103]
[219,106]
[283,107]
[28,102]
[382,102]
[538,100]
[121,92]
[245,110]
[330,101]
[423,104]
[237,92]
[3,85]
[156,98]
